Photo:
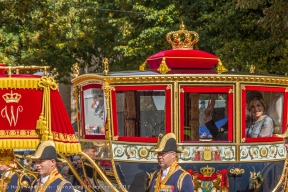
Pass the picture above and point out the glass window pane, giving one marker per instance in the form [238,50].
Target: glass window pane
[141,113]
[264,113]
[94,111]
[201,125]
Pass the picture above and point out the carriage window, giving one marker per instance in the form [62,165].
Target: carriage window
[264,112]
[141,113]
[205,116]
[94,111]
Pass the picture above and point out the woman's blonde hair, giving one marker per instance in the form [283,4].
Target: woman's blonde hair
[259,99]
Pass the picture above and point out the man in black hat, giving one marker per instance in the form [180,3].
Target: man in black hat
[50,180]
[171,177]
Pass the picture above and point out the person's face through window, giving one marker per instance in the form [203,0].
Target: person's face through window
[45,167]
[256,109]
[165,159]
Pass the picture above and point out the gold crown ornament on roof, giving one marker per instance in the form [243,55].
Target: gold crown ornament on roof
[207,171]
[182,39]
[11,97]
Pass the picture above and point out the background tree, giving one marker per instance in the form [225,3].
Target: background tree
[61,33]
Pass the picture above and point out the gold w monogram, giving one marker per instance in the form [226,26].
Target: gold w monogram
[12,118]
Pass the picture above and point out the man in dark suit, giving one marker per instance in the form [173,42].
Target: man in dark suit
[50,180]
[217,134]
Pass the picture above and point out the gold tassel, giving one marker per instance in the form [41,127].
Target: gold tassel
[40,123]
[142,67]
[163,68]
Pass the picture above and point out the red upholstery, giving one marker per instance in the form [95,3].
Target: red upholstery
[183,59]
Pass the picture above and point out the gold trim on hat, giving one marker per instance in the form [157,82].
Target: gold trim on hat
[163,141]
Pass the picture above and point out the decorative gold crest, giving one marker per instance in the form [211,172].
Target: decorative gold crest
[207,154]
[207,171]
[11,97]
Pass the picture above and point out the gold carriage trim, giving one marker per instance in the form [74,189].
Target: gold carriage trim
[65,137]
[19,133]
[19,83]
[19,143]
[68,148]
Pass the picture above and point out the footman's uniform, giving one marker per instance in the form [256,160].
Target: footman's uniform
[173,178]
[53,182]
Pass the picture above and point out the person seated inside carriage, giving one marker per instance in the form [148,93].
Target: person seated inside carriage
[260,124]
[217,133]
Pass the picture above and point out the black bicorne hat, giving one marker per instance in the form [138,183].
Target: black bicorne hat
[46,150]
[166,143]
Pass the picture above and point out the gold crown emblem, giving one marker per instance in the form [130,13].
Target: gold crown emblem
[207,171]
[182,39]
[11,97]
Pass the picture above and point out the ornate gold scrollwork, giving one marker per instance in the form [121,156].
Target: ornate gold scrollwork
[75,69]
[106,66]
[107,89]
[115,138]
[236,172]
[252,68]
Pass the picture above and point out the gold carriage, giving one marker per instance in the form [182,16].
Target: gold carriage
[172,96]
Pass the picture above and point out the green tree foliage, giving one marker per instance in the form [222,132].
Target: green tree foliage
[274,21]
[60,33]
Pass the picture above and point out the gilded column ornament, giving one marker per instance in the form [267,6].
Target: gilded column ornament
[75,69]
[220,67]
[107,90]
[238,119]
[76,95]
[106,66]
[252,68]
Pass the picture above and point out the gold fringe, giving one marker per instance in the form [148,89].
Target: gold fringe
[20,83]
[68,148]
[19,144]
